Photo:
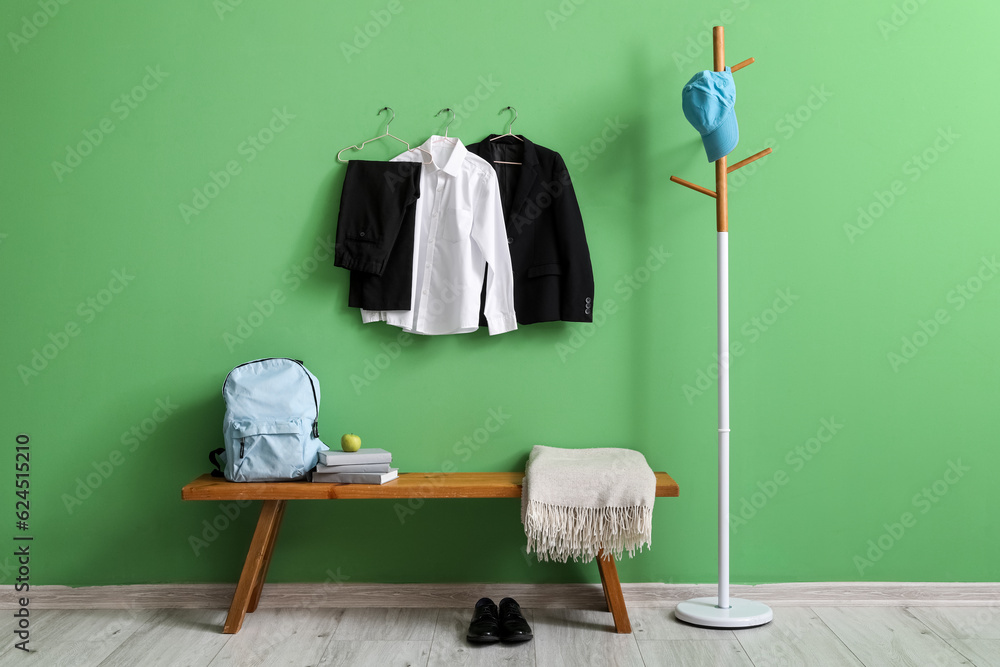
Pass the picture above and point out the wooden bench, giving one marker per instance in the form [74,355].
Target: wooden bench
[409,485]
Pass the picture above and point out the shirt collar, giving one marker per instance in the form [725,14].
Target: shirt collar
[448,154]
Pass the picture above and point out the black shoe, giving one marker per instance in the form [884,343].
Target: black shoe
[484,628]
[513,627]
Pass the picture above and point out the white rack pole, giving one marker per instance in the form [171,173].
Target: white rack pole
[723,269]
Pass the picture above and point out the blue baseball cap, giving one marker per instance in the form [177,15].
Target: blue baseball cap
[708,101]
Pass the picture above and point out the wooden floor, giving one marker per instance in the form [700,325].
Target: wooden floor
[872,636]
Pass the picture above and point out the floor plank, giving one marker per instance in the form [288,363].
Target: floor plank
[387,624]
[353,653]
[573,625]
[451,648]
[960,622]
[882,636]
[578,638]
[173,638]
[694,653]
[982,652]
[797,636]
[292,637]
[661,624]
[74,638]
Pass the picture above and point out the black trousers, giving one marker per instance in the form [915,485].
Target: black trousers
[375,232]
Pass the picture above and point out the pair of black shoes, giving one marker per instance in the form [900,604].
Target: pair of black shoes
[491,624]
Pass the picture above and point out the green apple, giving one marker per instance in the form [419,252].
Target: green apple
[350,442]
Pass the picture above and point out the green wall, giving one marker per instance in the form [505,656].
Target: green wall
[863,260]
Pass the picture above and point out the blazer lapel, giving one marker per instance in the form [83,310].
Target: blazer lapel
[529,174]
[527,177]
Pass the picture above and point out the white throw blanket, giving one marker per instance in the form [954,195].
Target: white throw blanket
[576,502]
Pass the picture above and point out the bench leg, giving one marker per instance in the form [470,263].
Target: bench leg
[268,552]
[613,592]
[255,568]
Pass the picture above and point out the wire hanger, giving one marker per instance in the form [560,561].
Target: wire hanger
[446,127]
[509,133]
[384,134]
[509,125]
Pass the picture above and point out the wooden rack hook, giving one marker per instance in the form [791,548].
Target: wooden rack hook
[721,169]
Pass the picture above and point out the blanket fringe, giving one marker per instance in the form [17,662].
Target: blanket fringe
[558,533]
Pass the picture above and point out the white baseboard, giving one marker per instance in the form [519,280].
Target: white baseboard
[562,596]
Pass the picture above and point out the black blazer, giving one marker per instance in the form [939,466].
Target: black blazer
[553,277]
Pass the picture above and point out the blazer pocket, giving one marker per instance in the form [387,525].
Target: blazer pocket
[544,270]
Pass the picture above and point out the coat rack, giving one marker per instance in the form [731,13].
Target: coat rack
[722,611]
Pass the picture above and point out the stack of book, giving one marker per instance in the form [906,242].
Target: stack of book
[365,466]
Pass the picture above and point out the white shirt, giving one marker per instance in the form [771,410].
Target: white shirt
[459,236]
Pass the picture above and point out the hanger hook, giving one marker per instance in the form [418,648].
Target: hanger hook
[391,118]
[511,123]
[450,121]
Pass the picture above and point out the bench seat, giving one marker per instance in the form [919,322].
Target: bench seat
[408,485]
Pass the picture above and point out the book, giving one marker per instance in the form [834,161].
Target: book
[356,477]
[362,456]
[364,467]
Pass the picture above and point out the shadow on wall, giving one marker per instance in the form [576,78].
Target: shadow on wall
[109,497]
[311,263]
[644,236]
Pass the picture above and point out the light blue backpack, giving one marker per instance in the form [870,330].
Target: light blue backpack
[271,427]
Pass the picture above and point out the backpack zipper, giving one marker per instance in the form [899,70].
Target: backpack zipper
[257,361]
[315,426]
[242,446]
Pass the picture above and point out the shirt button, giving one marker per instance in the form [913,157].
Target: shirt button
[361,234]
[510,239]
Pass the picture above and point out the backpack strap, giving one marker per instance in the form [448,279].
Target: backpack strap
[315,426]
[215,462]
